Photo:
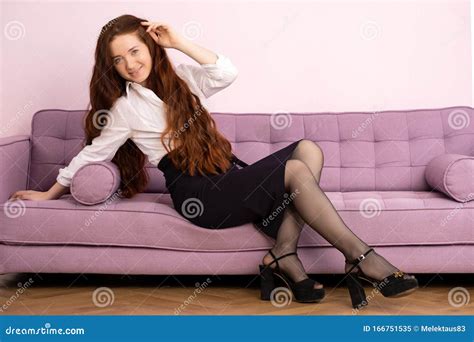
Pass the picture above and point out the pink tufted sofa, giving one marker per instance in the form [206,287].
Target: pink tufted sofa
[374,174]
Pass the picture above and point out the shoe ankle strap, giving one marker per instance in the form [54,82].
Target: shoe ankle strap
[275,259]
[358,260]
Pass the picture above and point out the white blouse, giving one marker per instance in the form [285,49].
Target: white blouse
[139,115]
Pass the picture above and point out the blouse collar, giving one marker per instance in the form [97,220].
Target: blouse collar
[127,86]
[143,90]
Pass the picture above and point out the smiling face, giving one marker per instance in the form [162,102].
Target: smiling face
[131,58]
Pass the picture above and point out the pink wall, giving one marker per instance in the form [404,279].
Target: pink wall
[292,56]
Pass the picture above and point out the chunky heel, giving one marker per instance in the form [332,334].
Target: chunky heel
[356,291]
[267,282]
[395,285]
[303,291]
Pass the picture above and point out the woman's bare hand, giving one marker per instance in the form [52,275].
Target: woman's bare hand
[31,195]
[163,34]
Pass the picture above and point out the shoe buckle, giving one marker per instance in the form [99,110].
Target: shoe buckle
[361,257]
[398,274]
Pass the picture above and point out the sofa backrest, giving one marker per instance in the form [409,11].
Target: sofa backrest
[364,151]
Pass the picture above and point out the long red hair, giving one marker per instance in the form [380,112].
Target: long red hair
[193,143]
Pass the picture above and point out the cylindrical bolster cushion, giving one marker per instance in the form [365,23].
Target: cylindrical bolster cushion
[95,182]
[452,174]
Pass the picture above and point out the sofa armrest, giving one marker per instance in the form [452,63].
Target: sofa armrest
[452,174]
[14,163]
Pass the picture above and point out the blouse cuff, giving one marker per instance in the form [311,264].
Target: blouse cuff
[221,68]
[63,181]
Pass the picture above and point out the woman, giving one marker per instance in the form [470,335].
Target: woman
[141,106]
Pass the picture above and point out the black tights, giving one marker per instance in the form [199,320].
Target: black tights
[310,205]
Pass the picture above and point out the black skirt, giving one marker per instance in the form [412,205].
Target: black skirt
[251,194]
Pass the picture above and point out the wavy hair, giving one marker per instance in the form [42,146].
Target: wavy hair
[193,143]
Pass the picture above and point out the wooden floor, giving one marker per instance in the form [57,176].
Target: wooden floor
[96,294]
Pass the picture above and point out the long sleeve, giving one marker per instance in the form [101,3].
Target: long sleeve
[102,148]
[210,78]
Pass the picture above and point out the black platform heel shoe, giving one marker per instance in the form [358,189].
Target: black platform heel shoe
[303,291]
[397,284]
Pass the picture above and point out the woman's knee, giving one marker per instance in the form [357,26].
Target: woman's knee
[309,147]
[296,170]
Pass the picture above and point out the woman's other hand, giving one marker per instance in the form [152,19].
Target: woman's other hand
[31,195]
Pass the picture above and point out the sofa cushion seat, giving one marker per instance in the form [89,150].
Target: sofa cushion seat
[381,218]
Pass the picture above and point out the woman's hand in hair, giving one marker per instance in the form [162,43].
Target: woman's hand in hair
[163,34]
